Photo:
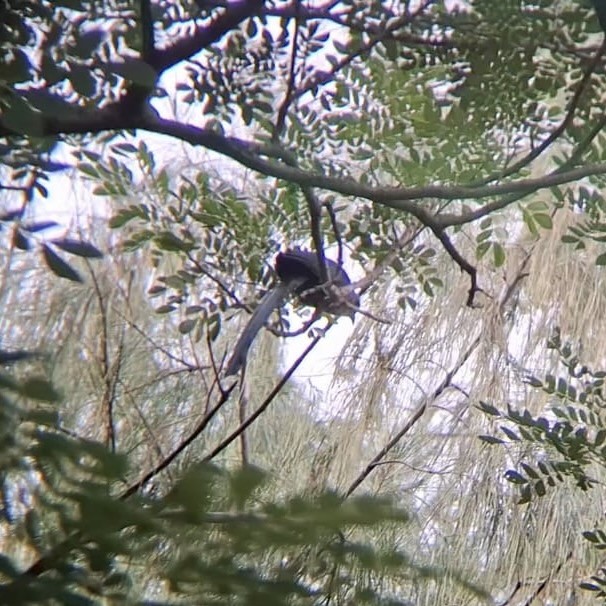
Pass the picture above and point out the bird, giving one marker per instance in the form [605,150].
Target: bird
[299,272]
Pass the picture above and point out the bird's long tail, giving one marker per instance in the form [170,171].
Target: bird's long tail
[274,298]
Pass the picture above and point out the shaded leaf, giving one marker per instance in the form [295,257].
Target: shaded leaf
[58,266]
[187,326]
[491,439]
[39,389]
[21,118]
[76,247]
[38,226]
[20,241]
[136,71]
[8,357]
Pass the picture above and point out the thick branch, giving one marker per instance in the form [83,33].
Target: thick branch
[204,35]
[251,154]
[400,198]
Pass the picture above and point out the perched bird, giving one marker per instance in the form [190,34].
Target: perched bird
[299,273]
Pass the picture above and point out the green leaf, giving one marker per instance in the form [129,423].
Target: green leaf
[589,586]
[244,482]
[20,241]
[17,69]
[515,478]
[526,495]
[489,409]
[187,325]
[530,472]
[136,71]
[165,309]
[498,254]
[539,488]
[214,326]
[10,357]
[482,249]
[168,241]
[87,42]
[83,80]
[38,226]
[22,118]
[156,290]
[58,266]
[591,536]
[543,220]
[50,104]
[123,217]
[510,434]
[39,389]
[601,259]
[491,439]
[391,48]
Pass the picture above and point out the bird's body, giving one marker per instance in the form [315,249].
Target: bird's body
[299,273]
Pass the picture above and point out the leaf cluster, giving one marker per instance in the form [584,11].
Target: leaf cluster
[566,442]
[213,535]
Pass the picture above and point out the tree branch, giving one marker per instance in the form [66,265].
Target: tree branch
[268,400]
[204,35]
[400,198]
[134,488]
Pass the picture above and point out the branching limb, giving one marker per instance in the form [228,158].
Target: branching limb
[134,488]
[290,86]
[400,198]
[465,266]
[446,383]
[247,153]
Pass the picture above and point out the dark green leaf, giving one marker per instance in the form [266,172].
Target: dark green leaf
[540,488]
[591,537]
[19,240]
[244,482]
[21,118]
[87,42]
[498,254]
[164,309]
[510,434]
[76,247]
[39,389]
[589,586]
[9,357]
[543,220]
[491,440]
[137,72]
[82,80]
[515,478]
[489,409]
[58,266]
[17,69]
[187,326]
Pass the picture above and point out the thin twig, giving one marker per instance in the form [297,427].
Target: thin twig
[134,488]
[268,400]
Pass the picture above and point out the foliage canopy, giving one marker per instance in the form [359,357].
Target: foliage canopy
[406,138]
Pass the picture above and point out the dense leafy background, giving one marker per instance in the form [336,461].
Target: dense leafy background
[415,140]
